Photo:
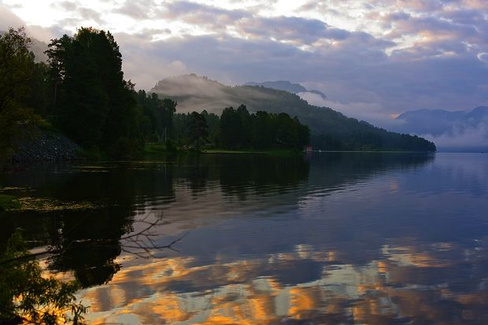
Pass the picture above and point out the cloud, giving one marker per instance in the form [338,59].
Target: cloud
[474,138]
[379,58]
[68,5]
[90,14]
[483,57]
[297,30]
[9,19]
[351,70]
[210,18]
[137,10]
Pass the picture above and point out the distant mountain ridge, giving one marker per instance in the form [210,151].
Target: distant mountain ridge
[37,47]
[451,130]
[330,130]
[286,86]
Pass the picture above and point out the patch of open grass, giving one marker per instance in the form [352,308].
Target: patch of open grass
[46,205]
[9,202]
[275,152]
[27,203]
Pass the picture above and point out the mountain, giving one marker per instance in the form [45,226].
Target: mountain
[37,47]
[286,86]
[465,130]
[330,130]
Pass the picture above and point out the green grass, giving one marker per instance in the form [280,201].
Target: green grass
[275,152]
[159,149]
[154,148]
[8,202]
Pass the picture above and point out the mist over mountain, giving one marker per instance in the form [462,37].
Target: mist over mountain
[37,47]
[330,130]
[289,87]
[451,130]
[279,85]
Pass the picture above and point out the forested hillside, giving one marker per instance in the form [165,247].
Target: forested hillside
[81,92]
[330,130]
[465,130]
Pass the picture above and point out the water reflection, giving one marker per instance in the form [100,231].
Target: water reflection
[408,286]
[334,238]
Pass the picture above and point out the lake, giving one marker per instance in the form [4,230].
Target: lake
[327,238]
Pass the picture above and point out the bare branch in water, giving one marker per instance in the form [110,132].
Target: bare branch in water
[140,243]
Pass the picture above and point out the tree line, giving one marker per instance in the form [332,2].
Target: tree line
[81,92]
[234,129]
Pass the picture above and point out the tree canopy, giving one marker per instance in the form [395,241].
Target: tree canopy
[82,92]
[93,104]
[17,69]
[238,129]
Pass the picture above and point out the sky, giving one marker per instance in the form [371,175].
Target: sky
[373,59]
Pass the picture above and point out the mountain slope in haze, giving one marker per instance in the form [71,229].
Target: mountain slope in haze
[330,130]
[287,86]
[37,47]
[451,130]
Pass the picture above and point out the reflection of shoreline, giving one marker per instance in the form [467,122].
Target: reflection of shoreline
[466,172]
[406,285]
[251,186]
[327,229]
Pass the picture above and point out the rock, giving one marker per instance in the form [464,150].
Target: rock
[40,145]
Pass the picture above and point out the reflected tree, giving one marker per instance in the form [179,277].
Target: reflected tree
[26,296]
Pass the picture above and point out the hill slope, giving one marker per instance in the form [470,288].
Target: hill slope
[330,130]
[287,86]
[452,130]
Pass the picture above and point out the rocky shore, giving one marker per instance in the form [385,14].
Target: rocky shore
[41,145]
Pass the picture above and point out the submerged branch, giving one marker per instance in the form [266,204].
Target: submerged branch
[141,244]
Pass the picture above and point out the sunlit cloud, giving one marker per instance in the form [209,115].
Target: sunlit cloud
[250,290]
[390,56]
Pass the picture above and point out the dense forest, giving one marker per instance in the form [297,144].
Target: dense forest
[329,129]
[81,92]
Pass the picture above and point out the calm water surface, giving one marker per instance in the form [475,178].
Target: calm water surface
[336,238]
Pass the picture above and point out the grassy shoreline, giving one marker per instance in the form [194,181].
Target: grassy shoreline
[160,149]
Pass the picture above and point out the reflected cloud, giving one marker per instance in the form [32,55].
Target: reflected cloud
[330,238]
[384,290]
